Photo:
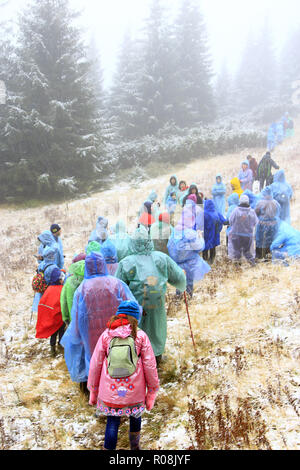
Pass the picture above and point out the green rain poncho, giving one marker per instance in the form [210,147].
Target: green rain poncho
[121,240]
[147,272]
[66,297]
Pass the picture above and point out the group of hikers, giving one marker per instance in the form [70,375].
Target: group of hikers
[278,131]
[107,310]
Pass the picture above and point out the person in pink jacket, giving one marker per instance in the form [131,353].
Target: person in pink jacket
[126,396]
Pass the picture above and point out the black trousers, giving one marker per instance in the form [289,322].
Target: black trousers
[209,255]
[58,333]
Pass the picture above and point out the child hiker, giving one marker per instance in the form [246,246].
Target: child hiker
[123,384]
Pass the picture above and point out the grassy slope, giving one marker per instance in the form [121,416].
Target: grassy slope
[245,377]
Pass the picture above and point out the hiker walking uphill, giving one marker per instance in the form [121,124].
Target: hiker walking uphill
[147,272]
[45,268]
[95,301]
[213,225]
[218,193]
[160,233]
[182,191]
[120,387]
[55,229]
[243,221]
[76,271]
[282,193]
[264,170]
[49,320]
[267,211]
[271,138]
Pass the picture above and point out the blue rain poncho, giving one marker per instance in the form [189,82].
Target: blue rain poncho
[282,192]
[271,138]
[171,188]
[267,211]
[47,239]
[286,243]
[171,204]
[218,193]
[213,225]
[184,247]
[233,202]
[147,273]
[95,301]
[253,199]
[48,264]
[121,240]
[192,211]
[100,234]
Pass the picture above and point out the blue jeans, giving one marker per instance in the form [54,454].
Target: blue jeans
[112,428]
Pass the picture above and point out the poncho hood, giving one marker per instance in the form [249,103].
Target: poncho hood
[140,243]
[77,269]
[95,265]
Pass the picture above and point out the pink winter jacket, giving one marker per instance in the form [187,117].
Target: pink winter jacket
[128,391]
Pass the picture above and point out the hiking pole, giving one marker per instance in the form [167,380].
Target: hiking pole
[187,311]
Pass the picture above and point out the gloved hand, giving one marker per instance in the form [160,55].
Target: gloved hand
[150,400]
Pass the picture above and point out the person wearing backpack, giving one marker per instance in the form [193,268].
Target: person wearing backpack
[264,170]
[282,193]
[49,320]
[123,379]
[95,301]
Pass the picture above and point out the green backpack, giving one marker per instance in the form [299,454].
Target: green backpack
[122,357]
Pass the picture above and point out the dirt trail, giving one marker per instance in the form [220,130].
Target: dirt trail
[246,325]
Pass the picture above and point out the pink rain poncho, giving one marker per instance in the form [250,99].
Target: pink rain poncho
[95,301]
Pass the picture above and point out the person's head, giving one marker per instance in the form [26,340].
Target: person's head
[182,185]
[55,229]
[173,181]
[249,157]
[128,312]
[245,165]
[57,277]
[194,190]
[218,179]
[268,154]
[173,196]
[244,201]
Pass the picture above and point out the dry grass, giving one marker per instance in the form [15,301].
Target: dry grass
[245,322]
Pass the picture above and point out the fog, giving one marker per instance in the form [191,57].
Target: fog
[228,24]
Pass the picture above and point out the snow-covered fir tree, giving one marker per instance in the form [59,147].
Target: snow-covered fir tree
[58,107]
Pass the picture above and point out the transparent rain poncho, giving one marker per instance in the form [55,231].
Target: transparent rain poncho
[147,273]
[47,239]
[282,192]
[95,301]
[243,221]
[233,202]
[267,211]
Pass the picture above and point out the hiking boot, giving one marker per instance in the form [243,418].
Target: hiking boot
[134,439]
[53,351]
[60,348]
[158,360]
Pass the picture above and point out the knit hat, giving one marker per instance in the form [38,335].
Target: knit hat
[244,199]
[130,308]
[55,228]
